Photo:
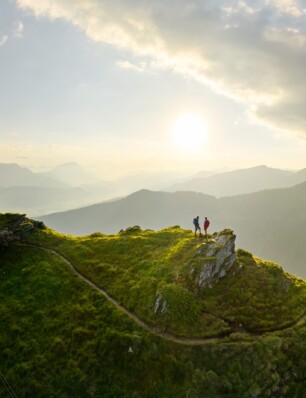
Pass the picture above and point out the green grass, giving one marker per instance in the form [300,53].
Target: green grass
[46,312]
[257,294]
[136,266]
[60,338]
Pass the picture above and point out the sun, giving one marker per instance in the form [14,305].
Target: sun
[189,132]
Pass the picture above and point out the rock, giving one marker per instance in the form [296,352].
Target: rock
[160,304]
[216,256]
[15,227]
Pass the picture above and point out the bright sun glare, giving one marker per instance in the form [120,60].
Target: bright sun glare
[189,132]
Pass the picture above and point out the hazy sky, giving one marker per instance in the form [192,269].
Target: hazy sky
[103,82]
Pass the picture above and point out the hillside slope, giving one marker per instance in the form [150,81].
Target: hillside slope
[59,337]
[271,223]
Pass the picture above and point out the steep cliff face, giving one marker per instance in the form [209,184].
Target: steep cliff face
[215,257]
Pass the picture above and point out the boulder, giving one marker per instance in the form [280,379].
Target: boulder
[213,260]
[15,226]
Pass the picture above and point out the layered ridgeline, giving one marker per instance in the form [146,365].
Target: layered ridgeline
[145,314]
[270,223]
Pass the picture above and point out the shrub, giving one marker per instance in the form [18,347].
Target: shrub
[182,306]
[242,252]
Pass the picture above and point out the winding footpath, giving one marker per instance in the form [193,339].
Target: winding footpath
[180,340]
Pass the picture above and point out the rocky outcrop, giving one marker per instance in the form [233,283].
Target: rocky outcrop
[14,227]
[160,305]
[213,259]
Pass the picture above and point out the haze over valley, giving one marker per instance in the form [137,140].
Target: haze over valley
[69,185]
[264,206]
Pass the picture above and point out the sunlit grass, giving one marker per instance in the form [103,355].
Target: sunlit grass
[61,338]
[136,266]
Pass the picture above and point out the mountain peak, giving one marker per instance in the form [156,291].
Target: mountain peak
[72,174]
[68,165]
[261,166]
[11,174]
[13,167]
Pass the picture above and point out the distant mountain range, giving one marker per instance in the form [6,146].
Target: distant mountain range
[71,174]
[270,223]
[68,186]
[242,181]
[11,174]
[21,190]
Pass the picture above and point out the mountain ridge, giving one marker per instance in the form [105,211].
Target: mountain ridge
[11,174]
[270,223]
[241,181]
[70,173]
[62,320]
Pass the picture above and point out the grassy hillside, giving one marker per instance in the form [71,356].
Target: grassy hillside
[135,265]
[271,224]
[61,338]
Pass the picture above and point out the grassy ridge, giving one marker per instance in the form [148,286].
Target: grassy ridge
[136,266]
[60,338]
[257,294]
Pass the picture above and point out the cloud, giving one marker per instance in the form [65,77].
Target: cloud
[18,29]
[3,40]
[291,7]
[128,65]
[254,52]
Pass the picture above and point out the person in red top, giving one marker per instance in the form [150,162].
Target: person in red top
[206,224]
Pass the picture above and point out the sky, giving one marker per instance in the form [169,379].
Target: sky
[108,84]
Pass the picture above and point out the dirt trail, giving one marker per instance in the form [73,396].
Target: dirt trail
[152,329]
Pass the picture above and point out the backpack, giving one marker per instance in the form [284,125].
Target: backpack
[195,221]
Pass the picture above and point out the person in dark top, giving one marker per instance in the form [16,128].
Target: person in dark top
[196,224]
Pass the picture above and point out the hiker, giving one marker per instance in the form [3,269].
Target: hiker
[206,224]
[196,224]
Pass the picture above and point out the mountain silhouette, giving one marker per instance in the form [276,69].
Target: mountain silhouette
[71,174]
[11,174]
[241,181]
